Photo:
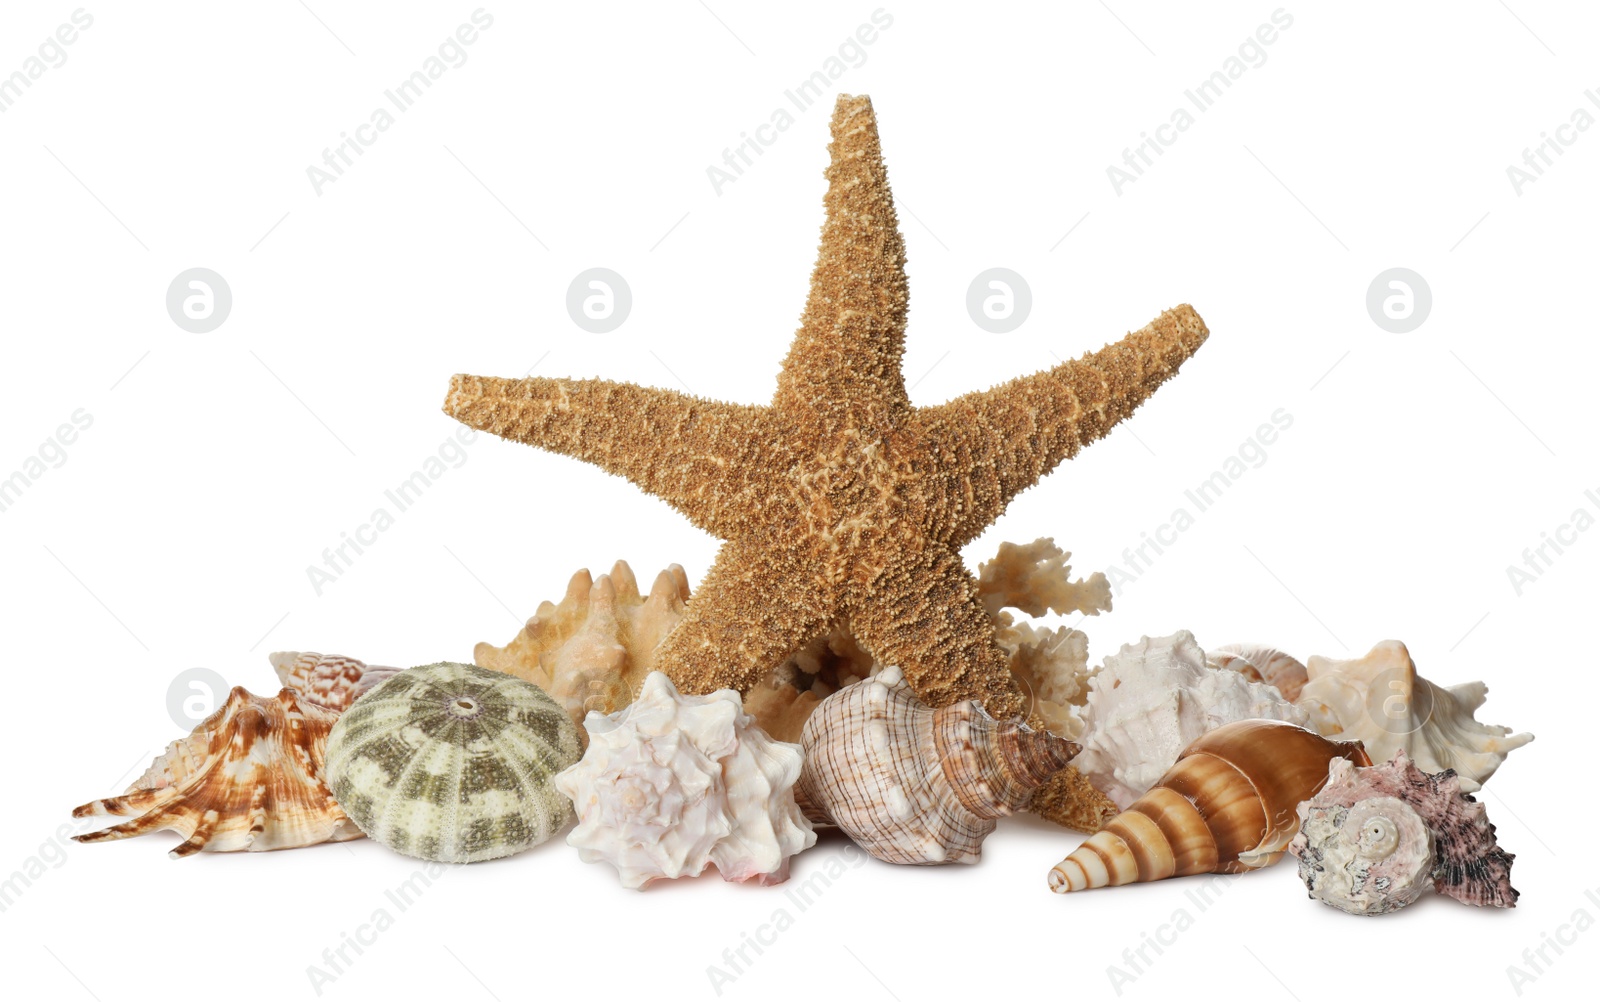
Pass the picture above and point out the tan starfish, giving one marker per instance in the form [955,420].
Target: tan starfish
[840,501]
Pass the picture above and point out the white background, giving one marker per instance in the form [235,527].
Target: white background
[179,529]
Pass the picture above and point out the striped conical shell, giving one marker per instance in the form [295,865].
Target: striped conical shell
[453,763]
[1227,805]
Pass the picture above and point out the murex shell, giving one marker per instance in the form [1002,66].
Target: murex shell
[250,776]
[1227,806]
[593,651]
[453,763]
[1152,700]
[672,784]
[912,784]
[1381,701]
[1350,860]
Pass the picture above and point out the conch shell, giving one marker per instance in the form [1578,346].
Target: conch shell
[593,650]
[672,784]
[1227,806]
[1464,860]
[249,777]
[1381,701]
[912,784]
[1155,698]
[1260,663]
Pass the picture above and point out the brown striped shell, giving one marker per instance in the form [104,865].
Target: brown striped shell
[912,784]
[1227,805]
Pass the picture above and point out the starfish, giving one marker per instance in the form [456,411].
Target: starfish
[840,502]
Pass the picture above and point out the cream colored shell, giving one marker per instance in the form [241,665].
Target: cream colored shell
[672,784]
[1151,700]
[1372,857]
[1381,701]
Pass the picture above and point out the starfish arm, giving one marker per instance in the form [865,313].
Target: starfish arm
[921,611]
[1014,434]
[695,454]
[852,334]
[755,607]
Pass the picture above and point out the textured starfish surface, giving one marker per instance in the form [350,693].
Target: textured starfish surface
[840,501]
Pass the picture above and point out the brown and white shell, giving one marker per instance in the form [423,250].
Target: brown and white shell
[1227,806]
[1260,663]
[916,785]
[249,777]
[1468,863]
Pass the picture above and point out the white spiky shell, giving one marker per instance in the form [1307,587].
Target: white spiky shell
[1152,700]
[671,784]
[1381,701]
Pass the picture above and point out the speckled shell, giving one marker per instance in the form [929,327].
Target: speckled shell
[248,778]
[327,681]
[1468,863]
[1260,663]
[912,784]
[1227,806]
[453,763]
[1155,698]
[1369,858]
[672,784]
[1381,701]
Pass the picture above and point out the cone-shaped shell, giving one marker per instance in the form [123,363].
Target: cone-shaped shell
[453,763]
[1226,806]
[912,784]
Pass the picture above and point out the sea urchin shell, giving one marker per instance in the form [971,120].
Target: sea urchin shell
[453,763]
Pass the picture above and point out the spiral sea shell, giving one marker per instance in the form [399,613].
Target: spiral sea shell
[1227,806]
[1466,861]
[1260,663]
[1155,698]
[912,784]
[672,784]
[1370,857]
[453,763]
[250,776]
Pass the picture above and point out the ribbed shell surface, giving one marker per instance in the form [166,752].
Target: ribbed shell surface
[451,762]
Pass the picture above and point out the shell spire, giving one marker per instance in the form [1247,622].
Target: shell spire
[1227,805]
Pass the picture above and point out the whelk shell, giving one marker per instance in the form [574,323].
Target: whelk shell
[912,784]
